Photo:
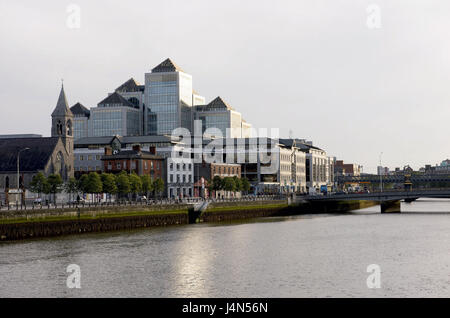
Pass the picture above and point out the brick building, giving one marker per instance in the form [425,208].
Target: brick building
[135,160]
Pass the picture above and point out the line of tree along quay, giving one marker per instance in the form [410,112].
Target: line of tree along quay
[25,224]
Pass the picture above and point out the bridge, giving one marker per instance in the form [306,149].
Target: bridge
[389,200]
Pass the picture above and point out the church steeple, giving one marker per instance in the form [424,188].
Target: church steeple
[62,107]
[62,121]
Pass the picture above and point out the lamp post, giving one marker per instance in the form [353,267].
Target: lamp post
[18,170]
[381,174]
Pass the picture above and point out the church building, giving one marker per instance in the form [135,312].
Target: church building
[23,156]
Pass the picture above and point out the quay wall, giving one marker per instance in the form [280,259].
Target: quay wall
[17,225]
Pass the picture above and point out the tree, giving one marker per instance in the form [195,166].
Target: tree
[38,184]
[123,183]
[109,183]
[147,184]
[228,184]
[238,184]
[94,183]
[71,187]
[158,185]
[245,185]
[55,184]
[217,184]
[83,183]
[135,183]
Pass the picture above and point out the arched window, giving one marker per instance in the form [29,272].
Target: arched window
[59,128]
[69,128]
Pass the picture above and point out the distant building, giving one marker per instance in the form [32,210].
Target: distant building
[347,169]
[115,115]
[382,171]
[80,121]
[168,95]
[220,120]
[165,102]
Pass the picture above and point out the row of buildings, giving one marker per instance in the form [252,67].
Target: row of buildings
[132,130]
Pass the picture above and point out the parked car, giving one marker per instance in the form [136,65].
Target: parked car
[142,199]
[79,201]
[37,201]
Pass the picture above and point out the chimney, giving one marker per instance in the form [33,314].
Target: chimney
[108,151]
[153,150]
[137,148]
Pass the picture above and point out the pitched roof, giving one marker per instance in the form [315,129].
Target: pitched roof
[219,103]
[79,109]
[115,100]
[31,160]
[62,107]
[167,66]
[130,86]
[133,154]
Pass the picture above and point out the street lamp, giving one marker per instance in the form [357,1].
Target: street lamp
[18,169]
[381,174]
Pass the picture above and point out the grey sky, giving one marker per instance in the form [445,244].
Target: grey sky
[310,66]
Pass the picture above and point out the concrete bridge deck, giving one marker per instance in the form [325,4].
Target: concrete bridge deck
[389,200]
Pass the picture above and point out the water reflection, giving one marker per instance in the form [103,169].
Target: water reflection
[301,256]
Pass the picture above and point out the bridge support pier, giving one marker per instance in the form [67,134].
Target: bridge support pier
[391,206]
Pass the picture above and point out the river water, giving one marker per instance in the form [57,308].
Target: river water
[303,256]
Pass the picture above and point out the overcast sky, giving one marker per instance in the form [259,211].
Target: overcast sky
[313,67]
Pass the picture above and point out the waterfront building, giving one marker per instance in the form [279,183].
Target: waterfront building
[88,151]
[317,165]
[135,160]
[205,173]
[179,178]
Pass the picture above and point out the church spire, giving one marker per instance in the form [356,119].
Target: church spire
[62,107]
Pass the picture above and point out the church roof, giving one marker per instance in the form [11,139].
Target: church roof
[115,100]
[130,86]
[62,107]
[79,109]
[167,66]
[34,159]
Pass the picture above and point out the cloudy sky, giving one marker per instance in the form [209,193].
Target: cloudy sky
[315,68]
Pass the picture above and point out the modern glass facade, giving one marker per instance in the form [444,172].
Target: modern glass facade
[80,127]
[169,99]
[110,121]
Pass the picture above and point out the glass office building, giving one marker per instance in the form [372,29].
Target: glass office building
[221,116]
[80,121]
[168,96]
[115,116]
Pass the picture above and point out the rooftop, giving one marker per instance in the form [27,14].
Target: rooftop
[115,100]
[167,66]
[31,160]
